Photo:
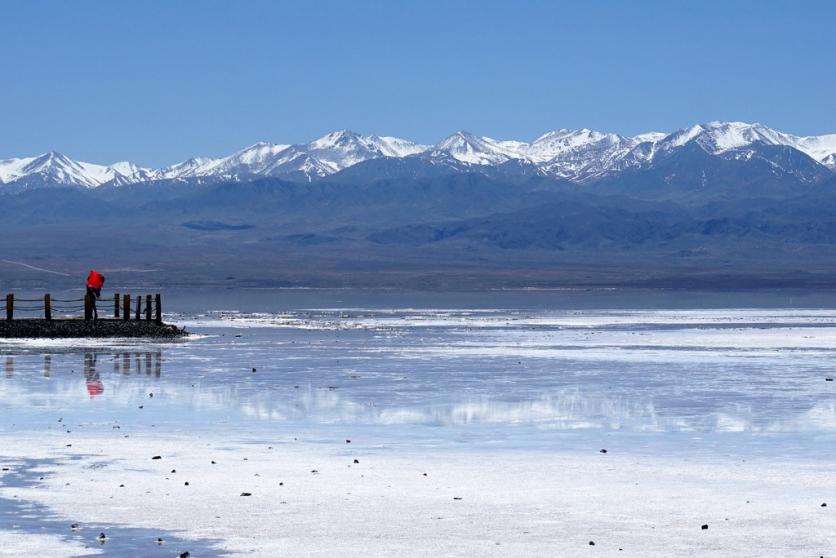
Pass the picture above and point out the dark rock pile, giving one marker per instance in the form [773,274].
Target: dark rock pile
[79,328]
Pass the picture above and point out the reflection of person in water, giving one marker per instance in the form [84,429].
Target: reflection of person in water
[91,376]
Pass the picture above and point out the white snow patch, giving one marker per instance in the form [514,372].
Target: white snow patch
[521,503]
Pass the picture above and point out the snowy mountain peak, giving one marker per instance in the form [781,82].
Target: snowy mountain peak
[719,137]
[474,150]
[335,139]
[580,155]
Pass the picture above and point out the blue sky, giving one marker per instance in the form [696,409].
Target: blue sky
[156,81]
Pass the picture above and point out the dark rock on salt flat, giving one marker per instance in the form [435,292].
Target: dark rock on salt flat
[37,328]
[704,527]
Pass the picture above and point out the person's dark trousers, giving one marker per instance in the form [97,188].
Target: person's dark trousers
[96,293]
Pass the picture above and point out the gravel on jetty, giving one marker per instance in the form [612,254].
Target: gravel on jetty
[29,328]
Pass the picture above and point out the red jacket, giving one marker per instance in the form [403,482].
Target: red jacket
[95,280]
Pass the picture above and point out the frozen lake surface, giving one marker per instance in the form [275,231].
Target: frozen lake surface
[526,377]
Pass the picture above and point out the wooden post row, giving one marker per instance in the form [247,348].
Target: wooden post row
[116,305]
[159,310]
[148,308]
[126,307]
[10,307]
[47,307]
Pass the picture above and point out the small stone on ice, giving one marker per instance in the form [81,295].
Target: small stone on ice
[591,543]
[356,461]
[157,457]
[603,451]
[704,527]
[246,494]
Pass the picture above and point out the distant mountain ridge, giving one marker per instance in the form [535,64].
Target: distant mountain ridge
[578,156]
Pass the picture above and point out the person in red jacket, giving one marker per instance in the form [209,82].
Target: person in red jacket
[95,282]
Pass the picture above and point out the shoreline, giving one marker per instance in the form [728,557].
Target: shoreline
[35,328]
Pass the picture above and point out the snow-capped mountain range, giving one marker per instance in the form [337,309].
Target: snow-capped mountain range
[575,155]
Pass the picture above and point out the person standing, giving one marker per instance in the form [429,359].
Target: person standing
[95,282]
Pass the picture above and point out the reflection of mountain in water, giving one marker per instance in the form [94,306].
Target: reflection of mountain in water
[565,410]
[122,378]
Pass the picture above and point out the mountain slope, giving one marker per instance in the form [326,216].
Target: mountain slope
[580,156]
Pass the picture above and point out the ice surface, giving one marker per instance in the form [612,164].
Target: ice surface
[315,500]
[14,545]
[718,416]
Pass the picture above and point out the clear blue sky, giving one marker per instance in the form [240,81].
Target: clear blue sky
[159,81]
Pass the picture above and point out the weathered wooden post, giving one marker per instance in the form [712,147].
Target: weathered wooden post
[10,307]
[88,307]
[158,314]
[138,305]
[116,305]
[47,307]
[148,308]
[126,307]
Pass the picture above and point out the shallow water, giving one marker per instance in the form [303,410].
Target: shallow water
[531,370]
[685,374]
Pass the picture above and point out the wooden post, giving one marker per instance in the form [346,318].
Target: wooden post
[158,315]
[10,307]
[126,307]
[88,307]
[148,308]
[116,305]
[138,305]
[47,307]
